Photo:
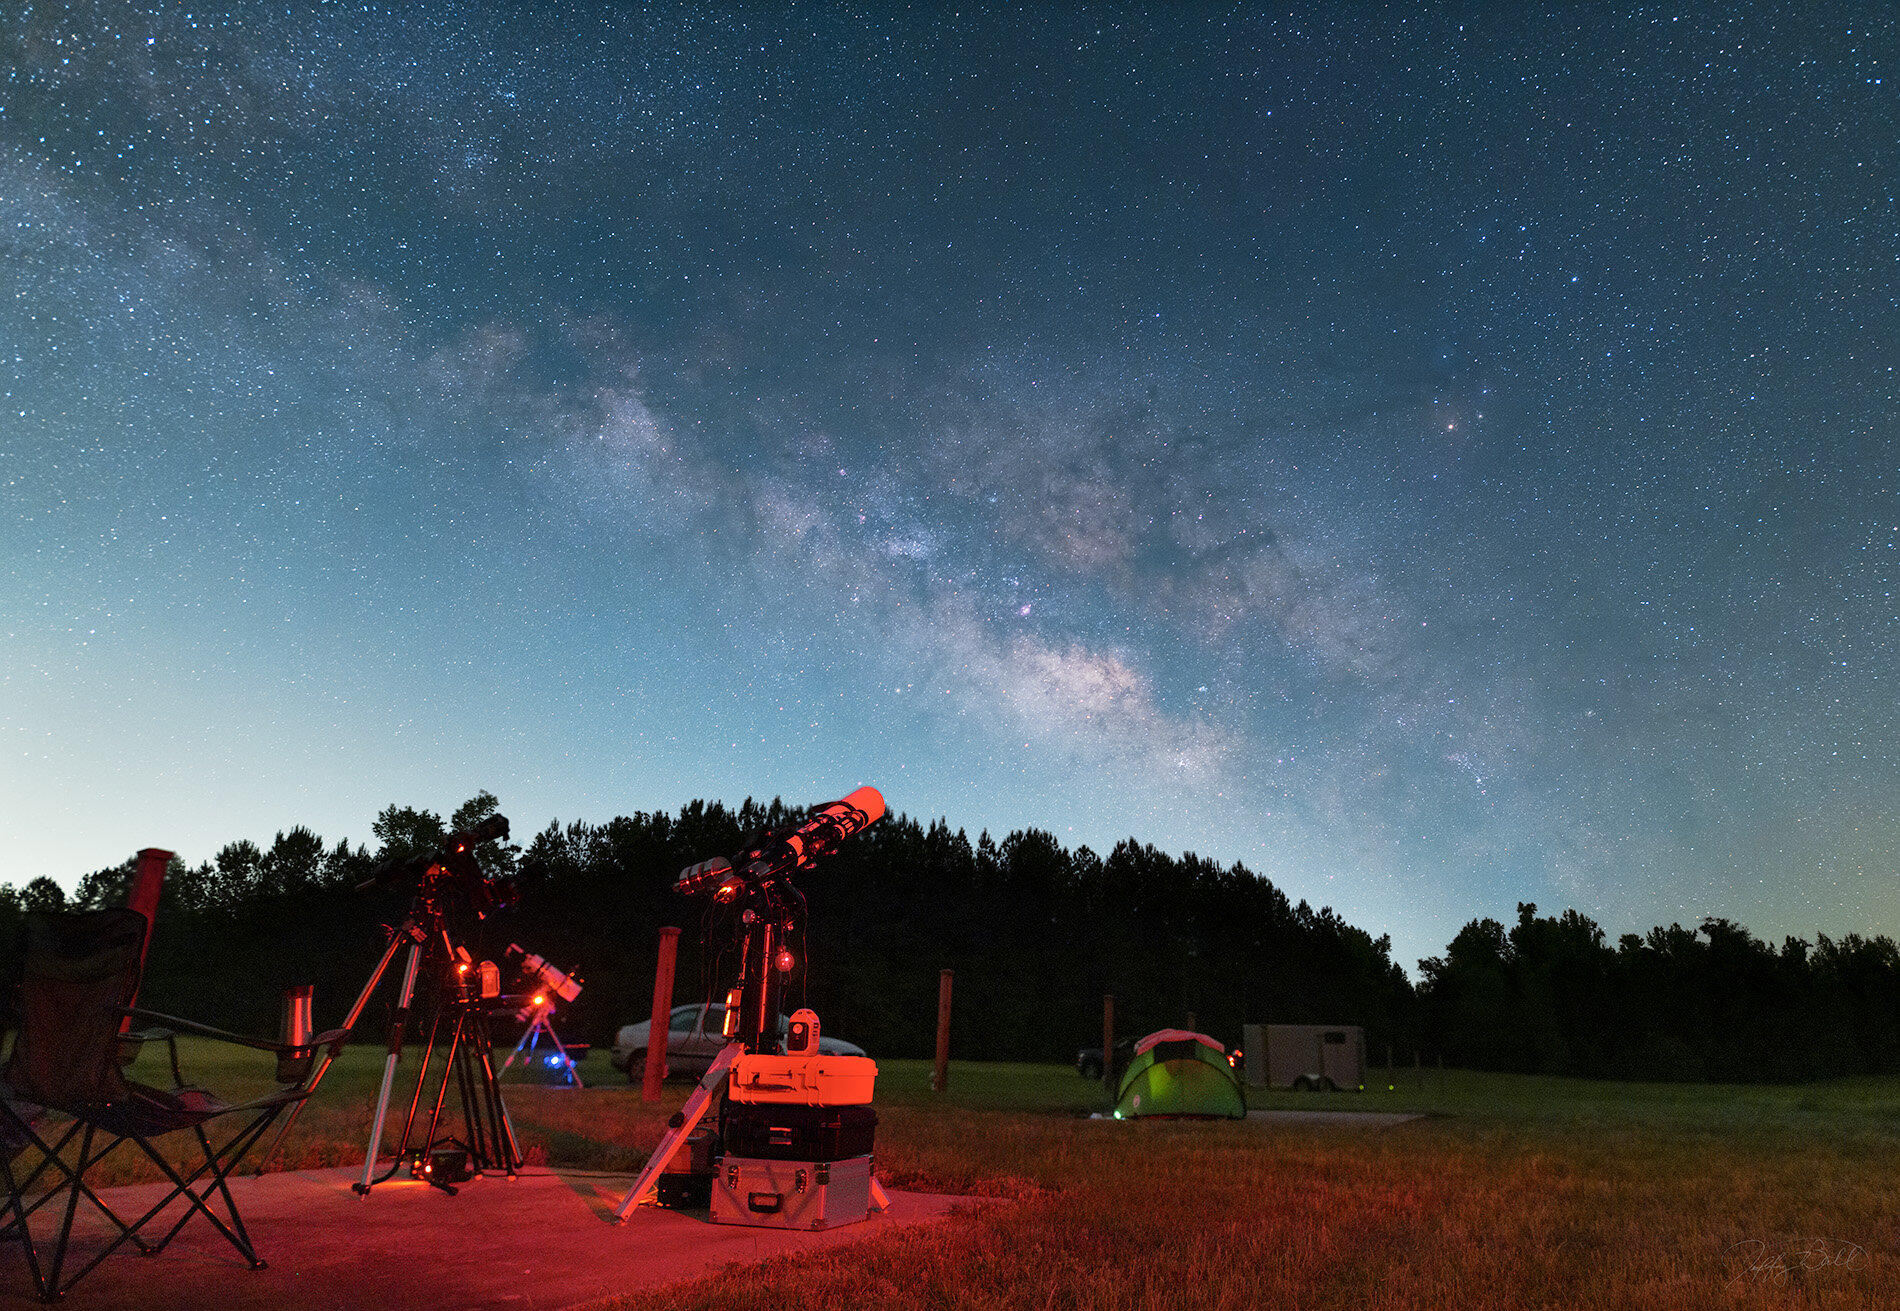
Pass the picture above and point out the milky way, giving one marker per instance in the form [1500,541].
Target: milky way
[1437,464]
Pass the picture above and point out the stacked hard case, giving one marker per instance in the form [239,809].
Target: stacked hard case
[797,1132]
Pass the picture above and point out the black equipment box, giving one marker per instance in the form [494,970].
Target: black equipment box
[792,1194]
[776,1131]
[685,1192]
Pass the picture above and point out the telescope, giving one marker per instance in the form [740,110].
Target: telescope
[761,875]
[455,865]
[556,984]
[777,855]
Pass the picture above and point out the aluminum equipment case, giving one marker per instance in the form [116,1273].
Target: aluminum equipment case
[792,1194]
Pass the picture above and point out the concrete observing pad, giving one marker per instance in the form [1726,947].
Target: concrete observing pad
[540,1241]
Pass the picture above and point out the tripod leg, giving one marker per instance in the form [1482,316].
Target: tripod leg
[397,1023]
[396,940]
[510,1150]
[403,1148]
[529,1041]
[573,1075]
[449,1068]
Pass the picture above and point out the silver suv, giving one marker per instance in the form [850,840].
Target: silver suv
[693,1040]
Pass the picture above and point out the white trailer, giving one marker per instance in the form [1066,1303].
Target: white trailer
[1319,1057]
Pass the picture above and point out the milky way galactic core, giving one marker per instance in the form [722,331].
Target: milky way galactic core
[1438,464]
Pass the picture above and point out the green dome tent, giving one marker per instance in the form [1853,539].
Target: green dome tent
[1175,1072]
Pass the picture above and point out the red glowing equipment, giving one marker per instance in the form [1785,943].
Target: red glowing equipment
[766,911]
[758,879]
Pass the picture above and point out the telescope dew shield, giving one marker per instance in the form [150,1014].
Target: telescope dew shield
[830,825]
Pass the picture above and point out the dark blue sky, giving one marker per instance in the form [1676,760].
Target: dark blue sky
[1439,459]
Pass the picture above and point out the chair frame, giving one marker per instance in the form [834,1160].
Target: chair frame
[91,1123]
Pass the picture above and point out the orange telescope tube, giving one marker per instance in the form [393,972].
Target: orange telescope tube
[822,832]
[832,824]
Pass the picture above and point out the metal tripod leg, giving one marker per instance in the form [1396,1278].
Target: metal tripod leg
[335,1048]
[397,1023]
[573,1075]
[682,1124]
[405,1148]
[504,1128]
[531,1042]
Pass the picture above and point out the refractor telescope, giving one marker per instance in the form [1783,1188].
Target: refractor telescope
[760,877]
[778,855]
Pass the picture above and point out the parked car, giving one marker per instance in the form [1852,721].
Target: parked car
[694,1040]
[1088,1061]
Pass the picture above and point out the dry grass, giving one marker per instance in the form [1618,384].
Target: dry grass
[1437,1213]
[1513,1192]
[1533,1193]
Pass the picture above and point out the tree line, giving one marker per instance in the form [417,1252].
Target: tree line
[1551,996]
[1035,933]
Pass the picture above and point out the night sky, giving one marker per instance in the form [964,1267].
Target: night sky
[1437,461]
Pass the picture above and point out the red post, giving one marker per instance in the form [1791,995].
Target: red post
[662,1015]
[940,1076]
[148,880]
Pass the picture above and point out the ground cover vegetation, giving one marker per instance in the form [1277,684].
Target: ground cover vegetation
[1036,934]
[1510,1191]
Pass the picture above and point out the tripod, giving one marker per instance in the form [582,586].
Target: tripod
[543,1016]
[461,1011]
[424,931]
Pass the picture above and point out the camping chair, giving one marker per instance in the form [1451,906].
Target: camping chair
[80,971]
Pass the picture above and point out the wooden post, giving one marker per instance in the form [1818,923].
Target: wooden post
[1108,1042]
[661,1022]
[940,1076]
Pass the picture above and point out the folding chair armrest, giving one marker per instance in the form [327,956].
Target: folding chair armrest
[205,1031]
[131,1040]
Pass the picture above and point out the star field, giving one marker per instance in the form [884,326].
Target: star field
[1437,461]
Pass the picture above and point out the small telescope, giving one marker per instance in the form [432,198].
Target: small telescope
[545,986]
[455,866]
[542,977]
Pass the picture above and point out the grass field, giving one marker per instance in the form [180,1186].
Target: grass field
[1511,1192]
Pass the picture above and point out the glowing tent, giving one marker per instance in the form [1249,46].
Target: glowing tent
[1175,1072]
